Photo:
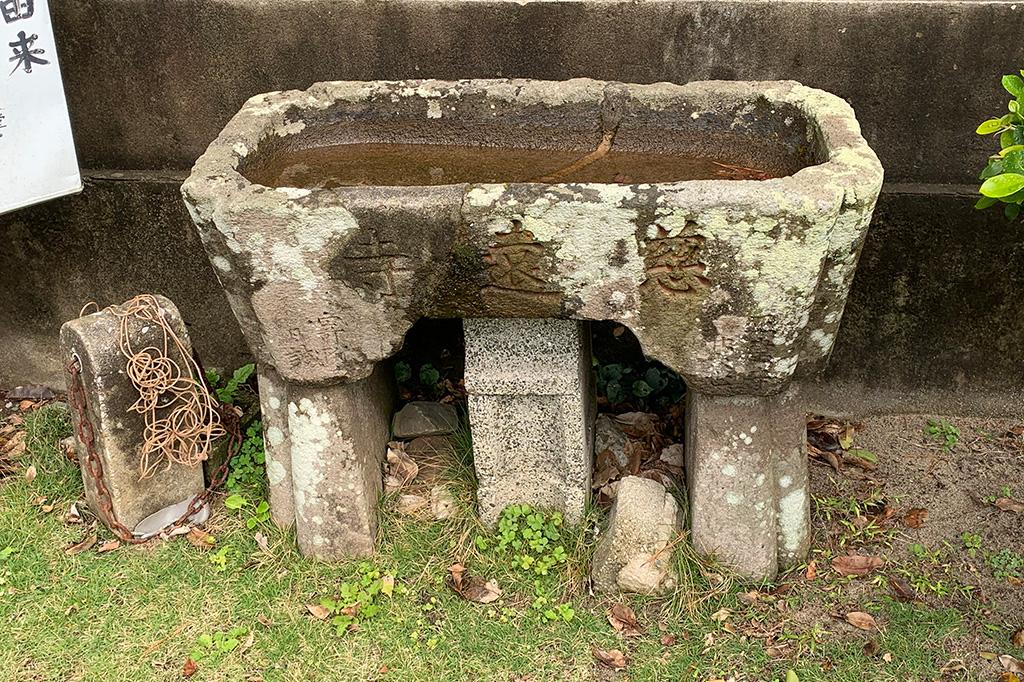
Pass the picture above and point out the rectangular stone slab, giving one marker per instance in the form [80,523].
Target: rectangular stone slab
[531,414]
[120,433]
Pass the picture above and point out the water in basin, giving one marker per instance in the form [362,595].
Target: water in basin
[404,164]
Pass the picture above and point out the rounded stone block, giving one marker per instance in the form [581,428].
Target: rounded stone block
[94,340]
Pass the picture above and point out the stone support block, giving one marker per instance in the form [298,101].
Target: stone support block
[276,445]
[119,432]
[337,439]
[531,413]
[747,480]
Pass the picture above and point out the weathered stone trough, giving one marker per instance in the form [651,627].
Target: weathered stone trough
[736,284]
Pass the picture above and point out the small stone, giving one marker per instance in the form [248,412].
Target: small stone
[433,455]
[423,418]
[442,502]
[31,392]
[633,554]
[610,443]
[411,505]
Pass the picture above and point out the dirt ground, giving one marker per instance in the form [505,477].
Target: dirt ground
[915,509]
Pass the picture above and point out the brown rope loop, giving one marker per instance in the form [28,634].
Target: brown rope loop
[189,419]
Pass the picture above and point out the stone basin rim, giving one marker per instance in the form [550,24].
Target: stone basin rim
[216,181]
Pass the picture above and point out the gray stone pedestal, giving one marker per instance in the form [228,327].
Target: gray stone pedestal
[324,449]
[747,478]
[531,413]
[276,445]
[119,433]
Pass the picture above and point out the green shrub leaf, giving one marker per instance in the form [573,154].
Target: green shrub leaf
[1014,85]
[234,502]
[990,126]
[1002,185]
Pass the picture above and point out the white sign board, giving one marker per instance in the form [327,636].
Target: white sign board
[37,153]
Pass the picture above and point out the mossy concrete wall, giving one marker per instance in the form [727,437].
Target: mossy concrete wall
[935,319]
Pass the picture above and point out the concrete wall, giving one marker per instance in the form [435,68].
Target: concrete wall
[935,318]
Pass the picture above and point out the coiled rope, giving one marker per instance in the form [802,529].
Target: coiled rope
[181,417]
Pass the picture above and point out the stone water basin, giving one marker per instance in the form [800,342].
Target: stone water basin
[720,221]
[735,284]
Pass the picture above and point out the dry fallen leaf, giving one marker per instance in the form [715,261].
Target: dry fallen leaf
[401,467]
[470,587]
[108,546]
[721,615]
[622,618]
[637,424]
[30,473]
[901,589]
[750,597]
[200,538]
[612,658]
[1008,677]
[812,570]
[26,405]
[15,445]
[476,590]
[859,619]
[190,668]
[82,545]
[318,612]
[263,543]
[668,640]
[1018,638]
[1011,505]
[856,564]
[1011,664]
[916,517]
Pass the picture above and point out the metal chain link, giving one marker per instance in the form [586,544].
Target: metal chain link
[94,467]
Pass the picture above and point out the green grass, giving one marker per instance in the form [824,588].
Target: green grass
[136,613]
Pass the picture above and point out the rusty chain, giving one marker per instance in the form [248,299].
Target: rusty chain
[86,435]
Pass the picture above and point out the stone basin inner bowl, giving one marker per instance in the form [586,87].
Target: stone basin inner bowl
[737,284]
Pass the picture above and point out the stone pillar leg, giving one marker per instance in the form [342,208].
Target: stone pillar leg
[747,478]
[276,445]
[792,499]
[531,412]
[338,438]
[119,433]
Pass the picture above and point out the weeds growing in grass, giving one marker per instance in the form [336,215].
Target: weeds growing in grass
[944,432]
